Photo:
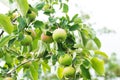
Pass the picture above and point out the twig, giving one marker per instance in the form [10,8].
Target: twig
[14,69]
[1,33]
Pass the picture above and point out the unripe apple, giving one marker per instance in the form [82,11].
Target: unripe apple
[65,60]
[26,40]
[32,33]
[32,15]
[46,38]
[8,78]
[68,72]
[59,35]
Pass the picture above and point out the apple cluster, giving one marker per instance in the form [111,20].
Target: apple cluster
[58,35]
[66,61]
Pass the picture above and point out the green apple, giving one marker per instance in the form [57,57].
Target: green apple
[65,60]
[68,72]
[32,33]
[46,38]
[26,40]
[59,35]
[32,15]
[8,78]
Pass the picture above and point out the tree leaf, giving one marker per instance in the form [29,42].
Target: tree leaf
[35,45]
[8,58]
[65,8]
[84,39]
[11,42]
[40,6]
[54,59]
[34,70]
[23,6]
[98,65]
[75,16]
[22,23]
[74,27]
[91,45]
[6,24]
[45,67]
[98,52]
[60,72]
[5,40]
[85,72]
[70,41]
[38,24]
[52,19]
[68,17]
[77,20]
[86,63]
[97,41]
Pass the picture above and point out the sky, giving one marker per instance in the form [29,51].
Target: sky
[103,13]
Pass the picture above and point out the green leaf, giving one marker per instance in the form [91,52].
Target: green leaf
[84,39]
[36,65]
[97,41]
[11,1]
[86,33]
[91,45]
[65,8]
[34,70]
[70,41]
[22,23]
[23,6]
[49,11]
[54,59]
[63,22]
[86,63]
[52,19]
[8,58]
[5,40]
[60,72]
[38,24]
[35,45]
[98,65]
[75,16]
[85,72]
[77,20]
[74,27]
[11,42]
[61,47]
[6,24]
[45,67]
[98,52]
[67,17]
[40,6]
